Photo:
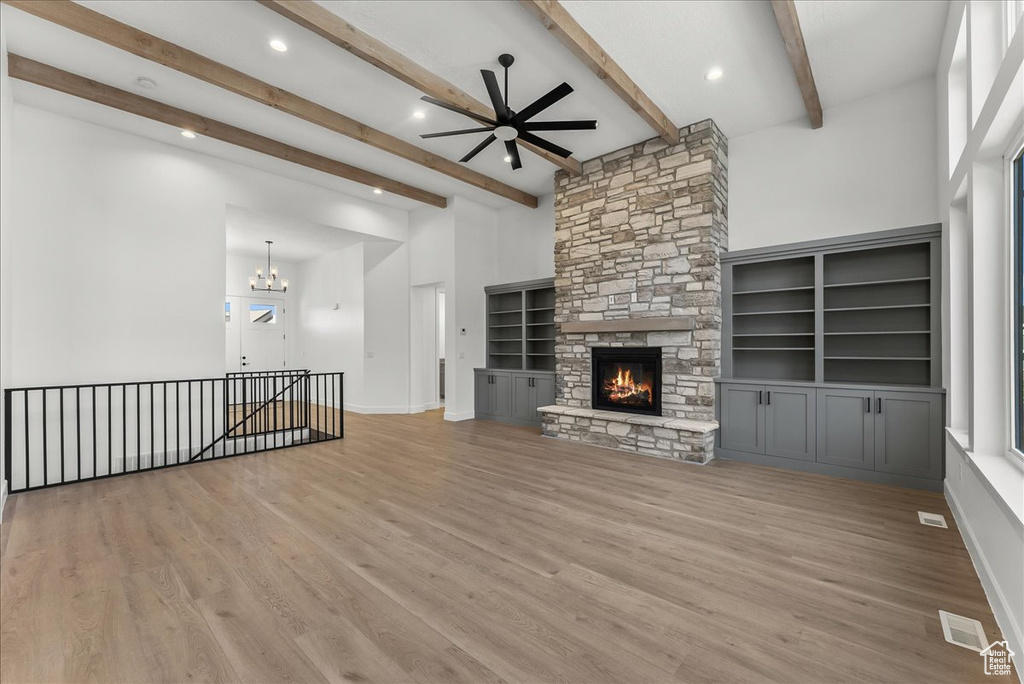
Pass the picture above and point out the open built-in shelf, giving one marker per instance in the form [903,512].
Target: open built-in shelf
[880,300]
[521,327]
[862,312]
[773,319]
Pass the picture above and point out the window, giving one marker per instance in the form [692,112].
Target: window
[1014,11]
[1018,298]
[263,313]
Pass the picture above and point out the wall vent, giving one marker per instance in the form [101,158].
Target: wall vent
[962,631]
[932,519]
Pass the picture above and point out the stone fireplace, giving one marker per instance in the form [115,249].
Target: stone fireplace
[638,236]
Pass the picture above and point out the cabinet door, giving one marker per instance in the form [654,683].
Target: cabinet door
[743,418]
[483,396]
[544,391]
[789,422]
[846,428]
[523,406]
[908,434]
[502,397]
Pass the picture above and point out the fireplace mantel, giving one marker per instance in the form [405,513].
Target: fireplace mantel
[652,324]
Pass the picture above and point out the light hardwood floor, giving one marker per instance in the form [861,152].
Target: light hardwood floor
[422,551]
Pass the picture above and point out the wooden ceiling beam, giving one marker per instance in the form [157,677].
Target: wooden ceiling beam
[557,20]
[29,70]
[793,37]
[330,26]
[117,34]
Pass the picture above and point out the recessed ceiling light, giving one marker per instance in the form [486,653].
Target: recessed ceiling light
[378,191]
[508,158]
[278,45]
[188,134]
[713,74]
[146,83]
[419,114]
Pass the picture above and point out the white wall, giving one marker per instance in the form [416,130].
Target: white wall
[980,110]
[870,167]
[476,267]
[526,242]
[332,338]
[462,250]
[6,129]
[386,333]
[143,223]
[431,267]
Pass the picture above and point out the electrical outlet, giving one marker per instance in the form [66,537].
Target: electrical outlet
[369,355]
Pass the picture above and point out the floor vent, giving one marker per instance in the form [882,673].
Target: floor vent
[962,631]
[932,519]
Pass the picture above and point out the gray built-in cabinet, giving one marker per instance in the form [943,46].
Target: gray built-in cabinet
[520,372]
[831,360]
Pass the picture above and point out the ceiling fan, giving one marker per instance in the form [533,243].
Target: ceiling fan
[509,125]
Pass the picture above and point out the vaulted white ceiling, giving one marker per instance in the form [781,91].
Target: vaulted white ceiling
[856,48]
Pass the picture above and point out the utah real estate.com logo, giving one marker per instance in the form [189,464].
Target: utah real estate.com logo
[997,658]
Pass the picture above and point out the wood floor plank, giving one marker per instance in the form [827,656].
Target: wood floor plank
[176,643]
[418,550]
[249,635]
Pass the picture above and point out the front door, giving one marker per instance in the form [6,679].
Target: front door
[254,334]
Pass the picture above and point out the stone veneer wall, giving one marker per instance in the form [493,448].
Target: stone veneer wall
[638,235]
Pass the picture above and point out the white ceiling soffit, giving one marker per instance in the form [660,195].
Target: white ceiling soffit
[855,48]
[295,240]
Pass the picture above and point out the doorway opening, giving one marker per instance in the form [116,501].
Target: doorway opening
[439,327]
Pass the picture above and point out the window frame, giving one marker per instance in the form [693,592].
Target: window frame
[1017,298]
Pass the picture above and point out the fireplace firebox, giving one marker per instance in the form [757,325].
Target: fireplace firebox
[626,379]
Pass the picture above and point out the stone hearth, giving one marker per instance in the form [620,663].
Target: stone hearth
[637,242]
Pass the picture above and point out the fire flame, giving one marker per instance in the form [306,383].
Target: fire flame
[623,386]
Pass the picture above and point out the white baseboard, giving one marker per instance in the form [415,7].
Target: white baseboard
[996,599]
[457,416]
[3,500]
[420,408]
[356,408]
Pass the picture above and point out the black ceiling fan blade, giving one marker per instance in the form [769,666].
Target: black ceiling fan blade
[491,81]
[528,137]
[544,102]
[479,148]
[513,153]
[463,112]
[559,125]
[462,132]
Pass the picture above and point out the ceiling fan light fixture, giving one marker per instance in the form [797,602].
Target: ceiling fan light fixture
[506,133]
[509,125]
[714,73]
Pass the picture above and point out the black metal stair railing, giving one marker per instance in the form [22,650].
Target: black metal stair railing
[74,433]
